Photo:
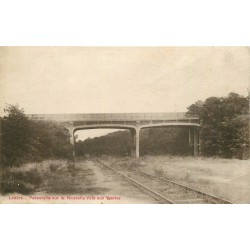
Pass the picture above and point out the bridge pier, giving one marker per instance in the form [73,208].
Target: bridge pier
[133,139]
[193,141]
[190,138]
[135,143]
[196,142]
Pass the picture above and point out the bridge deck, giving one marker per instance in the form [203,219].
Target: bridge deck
[114,117]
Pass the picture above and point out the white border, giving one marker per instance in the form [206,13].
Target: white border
[124,23]
[130,22]
[125,227]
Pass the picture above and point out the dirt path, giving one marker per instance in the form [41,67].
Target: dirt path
[85,182]
[89,182]
[113,187]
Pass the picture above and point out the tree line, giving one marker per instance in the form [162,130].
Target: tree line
[224,132]
[153,141]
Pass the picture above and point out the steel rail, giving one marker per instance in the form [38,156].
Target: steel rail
[145,189]
[215,199]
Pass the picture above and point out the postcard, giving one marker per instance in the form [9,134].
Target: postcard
[124,125]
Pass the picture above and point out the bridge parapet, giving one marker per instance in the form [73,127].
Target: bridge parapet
[115,117]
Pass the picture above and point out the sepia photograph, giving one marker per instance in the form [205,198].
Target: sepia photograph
[111,111]
[124,125]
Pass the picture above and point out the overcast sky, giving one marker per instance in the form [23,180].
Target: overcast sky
[119,79]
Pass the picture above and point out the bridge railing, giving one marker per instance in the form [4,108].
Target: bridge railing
[113,117]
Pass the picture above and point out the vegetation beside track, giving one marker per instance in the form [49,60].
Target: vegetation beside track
[225,178]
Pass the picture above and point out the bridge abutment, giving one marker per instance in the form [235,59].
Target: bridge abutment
[72,139]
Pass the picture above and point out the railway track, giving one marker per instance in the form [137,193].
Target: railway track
[165,191]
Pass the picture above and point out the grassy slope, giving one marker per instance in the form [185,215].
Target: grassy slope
[50,176]
[228,179]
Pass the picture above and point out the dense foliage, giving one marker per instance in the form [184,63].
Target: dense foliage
[24,140]
[168,140]
[224,126]
[152,141]
[116,143]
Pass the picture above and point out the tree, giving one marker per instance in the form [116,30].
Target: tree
[224,125]
[24,140]
[16,142]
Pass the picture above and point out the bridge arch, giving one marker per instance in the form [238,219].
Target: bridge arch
[135,133]
[193,132]
[133,130]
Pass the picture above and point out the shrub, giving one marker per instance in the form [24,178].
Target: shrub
[24,140]
[16,181]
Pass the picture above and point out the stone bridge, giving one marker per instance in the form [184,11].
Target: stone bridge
[133,122]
